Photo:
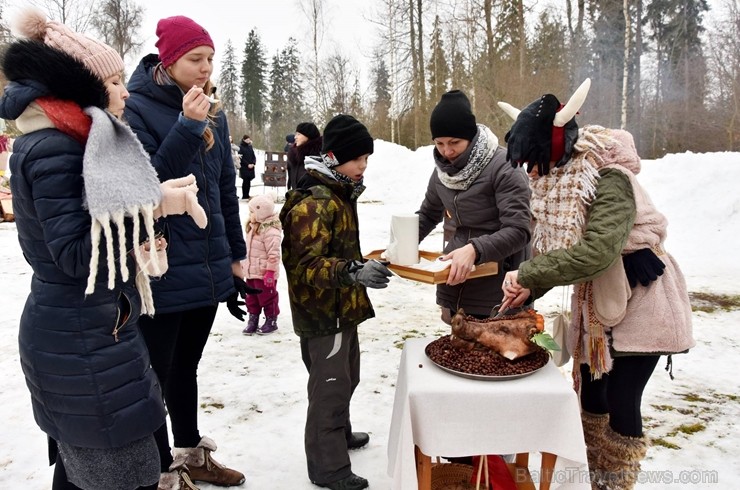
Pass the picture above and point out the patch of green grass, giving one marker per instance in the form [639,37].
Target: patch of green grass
[693,397]
[664,408]
[691,428]
[709,302]
[212,404]
[659,441]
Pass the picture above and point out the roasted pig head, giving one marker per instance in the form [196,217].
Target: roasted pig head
[506,335]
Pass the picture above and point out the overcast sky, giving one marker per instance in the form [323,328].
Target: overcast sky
[275,21]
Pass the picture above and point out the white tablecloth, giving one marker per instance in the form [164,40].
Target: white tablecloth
[448,415]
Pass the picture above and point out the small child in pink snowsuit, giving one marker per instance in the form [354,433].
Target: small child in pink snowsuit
[264,234]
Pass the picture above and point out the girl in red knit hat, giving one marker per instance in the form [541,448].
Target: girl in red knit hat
[185,131]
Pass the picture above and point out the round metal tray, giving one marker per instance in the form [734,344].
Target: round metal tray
[483,377]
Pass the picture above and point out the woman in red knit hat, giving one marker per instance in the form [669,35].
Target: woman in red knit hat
[185,131]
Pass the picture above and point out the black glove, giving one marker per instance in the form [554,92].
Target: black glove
[642,266]
[233,303]
[243,288]
[371,274]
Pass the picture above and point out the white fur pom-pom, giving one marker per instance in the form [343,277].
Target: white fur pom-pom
[30,23]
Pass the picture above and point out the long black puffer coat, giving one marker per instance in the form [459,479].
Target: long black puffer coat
[85,362]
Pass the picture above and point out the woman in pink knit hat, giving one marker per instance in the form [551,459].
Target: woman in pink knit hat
[185,131]
[82,188]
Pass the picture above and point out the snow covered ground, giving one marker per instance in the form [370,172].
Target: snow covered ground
[253,394]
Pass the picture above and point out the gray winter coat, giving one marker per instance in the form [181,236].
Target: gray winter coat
[492,214]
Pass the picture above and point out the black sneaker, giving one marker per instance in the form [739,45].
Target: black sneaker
[358,440]
[352,482]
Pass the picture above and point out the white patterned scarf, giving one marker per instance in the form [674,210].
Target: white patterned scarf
[560,199]
[560,203]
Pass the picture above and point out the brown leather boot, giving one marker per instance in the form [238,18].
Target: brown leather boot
[204,468]
[178,478]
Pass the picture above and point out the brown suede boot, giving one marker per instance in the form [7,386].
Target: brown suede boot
[594,433]
[178,478]
[204,468]
[621,458]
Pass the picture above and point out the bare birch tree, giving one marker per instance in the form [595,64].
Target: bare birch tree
[626,63]
[314,11]
[119,22]
[75,14]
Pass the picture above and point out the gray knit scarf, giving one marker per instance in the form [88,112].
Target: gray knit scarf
[326,166]
[120,182]
[481,152]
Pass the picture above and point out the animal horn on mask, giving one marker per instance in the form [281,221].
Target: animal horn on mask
[510,110]
[566,113]
[574,104]
[545,131]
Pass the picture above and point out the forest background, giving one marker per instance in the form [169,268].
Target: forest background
[666,70]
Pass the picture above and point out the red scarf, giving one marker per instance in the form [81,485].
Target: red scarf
[67,117]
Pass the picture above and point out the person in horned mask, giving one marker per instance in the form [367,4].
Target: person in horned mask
[597,229]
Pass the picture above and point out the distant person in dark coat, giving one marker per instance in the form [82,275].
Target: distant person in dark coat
[289,141]
[308,142]
[248,162]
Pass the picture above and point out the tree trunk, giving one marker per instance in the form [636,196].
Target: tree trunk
[626,64]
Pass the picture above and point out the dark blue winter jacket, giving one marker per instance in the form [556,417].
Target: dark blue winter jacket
[84,359]
[199,260]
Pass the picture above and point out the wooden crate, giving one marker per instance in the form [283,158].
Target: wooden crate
[276,169]
[6,206]
[430,277]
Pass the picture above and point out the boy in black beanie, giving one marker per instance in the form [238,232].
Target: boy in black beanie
[327,281]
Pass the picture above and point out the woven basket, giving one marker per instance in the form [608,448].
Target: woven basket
[452,476]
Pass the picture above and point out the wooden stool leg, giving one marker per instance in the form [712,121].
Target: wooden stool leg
[546,470]
[522,460]
[423,469]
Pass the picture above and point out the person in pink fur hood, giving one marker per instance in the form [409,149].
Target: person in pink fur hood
[264,234]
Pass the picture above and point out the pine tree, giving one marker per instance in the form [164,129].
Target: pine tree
[438,70]
[254,83]
[286,102]
[676,29]
[381,104]
[228,81]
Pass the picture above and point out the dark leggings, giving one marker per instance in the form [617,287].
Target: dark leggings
[176,342]
[619,393]
[246,185]
[60,478]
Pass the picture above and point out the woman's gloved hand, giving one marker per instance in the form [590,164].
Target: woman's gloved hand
[642,266]
[243,288]
[236,299]
[180,196]
[233,303]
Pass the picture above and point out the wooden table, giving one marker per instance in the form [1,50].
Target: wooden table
[436,413]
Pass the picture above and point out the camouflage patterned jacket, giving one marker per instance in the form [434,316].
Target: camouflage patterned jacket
[320,236]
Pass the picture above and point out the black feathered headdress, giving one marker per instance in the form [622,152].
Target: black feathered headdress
[545,131]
